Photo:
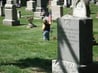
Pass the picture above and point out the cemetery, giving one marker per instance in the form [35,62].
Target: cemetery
[73,44]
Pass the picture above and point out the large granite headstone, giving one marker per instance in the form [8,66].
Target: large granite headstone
[74,45]
[10,14]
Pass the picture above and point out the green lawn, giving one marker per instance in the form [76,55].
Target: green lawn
[22,50]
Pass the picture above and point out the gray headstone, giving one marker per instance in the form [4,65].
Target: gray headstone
[10,14]
[74,44]
[57,11]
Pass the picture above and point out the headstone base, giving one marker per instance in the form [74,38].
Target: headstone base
[64,67]
[11,22]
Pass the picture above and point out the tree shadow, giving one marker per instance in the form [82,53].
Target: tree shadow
[42,64]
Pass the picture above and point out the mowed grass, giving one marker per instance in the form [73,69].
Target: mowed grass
[22,49]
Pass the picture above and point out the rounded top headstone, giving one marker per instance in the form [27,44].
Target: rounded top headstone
[81,9]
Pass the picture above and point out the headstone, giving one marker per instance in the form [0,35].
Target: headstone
[57,11]
[10,14]
[74,45]
[38,10]
[65,3]
[81,9]
[97,3]
[30,5]
[54,3]
[1,9]
[73,2]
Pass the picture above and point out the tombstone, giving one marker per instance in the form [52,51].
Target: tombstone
[97,2]
[74,45]
[57,11]
[38,10]
[54,2]
[1,9]
[10,14]
[81,9]
[73,2]
[41,7]
[30,5]
[65,3]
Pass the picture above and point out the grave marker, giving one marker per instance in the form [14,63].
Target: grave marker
[10,14]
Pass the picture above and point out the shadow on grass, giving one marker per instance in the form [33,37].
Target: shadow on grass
[43,65]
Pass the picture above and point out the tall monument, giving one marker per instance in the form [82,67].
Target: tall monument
[75,41]
[10,14]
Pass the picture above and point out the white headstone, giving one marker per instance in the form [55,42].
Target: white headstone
[30,5]
[10,14]
[79,9]
[54,3]
[57,11]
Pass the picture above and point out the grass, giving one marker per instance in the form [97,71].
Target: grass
[22,50]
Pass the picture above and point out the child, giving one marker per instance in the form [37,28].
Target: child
[46,28]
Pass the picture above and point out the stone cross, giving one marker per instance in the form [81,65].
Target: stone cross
[81,8]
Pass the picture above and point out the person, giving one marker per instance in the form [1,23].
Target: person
[46,28]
